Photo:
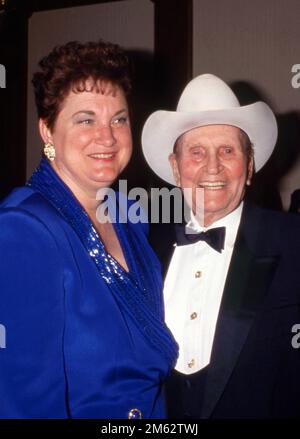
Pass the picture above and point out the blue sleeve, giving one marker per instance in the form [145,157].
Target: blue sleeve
[32,379]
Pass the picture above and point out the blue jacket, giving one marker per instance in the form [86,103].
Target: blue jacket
[72,349]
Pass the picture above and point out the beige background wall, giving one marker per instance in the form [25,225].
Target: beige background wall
[129,23]
[257,42]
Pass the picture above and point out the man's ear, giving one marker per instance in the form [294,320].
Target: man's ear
[45,132]
[250,171]
[174,166]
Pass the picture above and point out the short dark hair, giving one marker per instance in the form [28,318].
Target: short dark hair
[68,67]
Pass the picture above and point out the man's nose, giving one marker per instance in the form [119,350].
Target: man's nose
[213,164]
[105,136]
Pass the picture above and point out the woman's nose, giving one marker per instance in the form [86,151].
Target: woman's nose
[105,136]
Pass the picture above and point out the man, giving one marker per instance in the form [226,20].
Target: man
[232,292]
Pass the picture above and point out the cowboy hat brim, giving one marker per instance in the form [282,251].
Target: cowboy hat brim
[162,129]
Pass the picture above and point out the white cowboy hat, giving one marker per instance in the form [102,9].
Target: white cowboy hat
[207,100]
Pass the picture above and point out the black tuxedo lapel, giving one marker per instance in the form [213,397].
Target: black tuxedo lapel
[249,276]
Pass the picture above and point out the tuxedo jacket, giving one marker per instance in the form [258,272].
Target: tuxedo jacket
[255,363]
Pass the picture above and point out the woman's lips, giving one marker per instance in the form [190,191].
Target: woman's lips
[102,156]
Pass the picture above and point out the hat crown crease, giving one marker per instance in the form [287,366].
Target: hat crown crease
[205,93]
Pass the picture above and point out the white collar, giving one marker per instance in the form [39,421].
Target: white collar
[230,221]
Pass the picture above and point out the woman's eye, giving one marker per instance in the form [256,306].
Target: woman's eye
[120,120]
[85,122]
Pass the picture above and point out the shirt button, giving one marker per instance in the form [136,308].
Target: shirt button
[194,315]
[198,274]
[191,363]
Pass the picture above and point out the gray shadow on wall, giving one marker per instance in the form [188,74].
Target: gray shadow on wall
[141,103]
[147,96]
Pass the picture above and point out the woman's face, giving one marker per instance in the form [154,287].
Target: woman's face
[92,139]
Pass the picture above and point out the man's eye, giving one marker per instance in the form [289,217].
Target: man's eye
[196,152]
[228,150]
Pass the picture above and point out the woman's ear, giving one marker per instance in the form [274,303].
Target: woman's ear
[174,166]
[45,132]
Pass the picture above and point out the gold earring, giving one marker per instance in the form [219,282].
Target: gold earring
[49,151]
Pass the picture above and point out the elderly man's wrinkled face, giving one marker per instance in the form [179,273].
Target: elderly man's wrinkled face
[213,158]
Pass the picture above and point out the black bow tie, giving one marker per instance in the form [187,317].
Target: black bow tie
[213,237]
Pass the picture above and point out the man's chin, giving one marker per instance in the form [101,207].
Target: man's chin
[213,213]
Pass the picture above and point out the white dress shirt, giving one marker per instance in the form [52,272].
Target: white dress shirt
[193,291]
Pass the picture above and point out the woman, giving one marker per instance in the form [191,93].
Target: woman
[80,300]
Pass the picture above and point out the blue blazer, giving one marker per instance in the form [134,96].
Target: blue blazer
[72,351]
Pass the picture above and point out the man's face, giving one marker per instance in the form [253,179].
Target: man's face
[213,158]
